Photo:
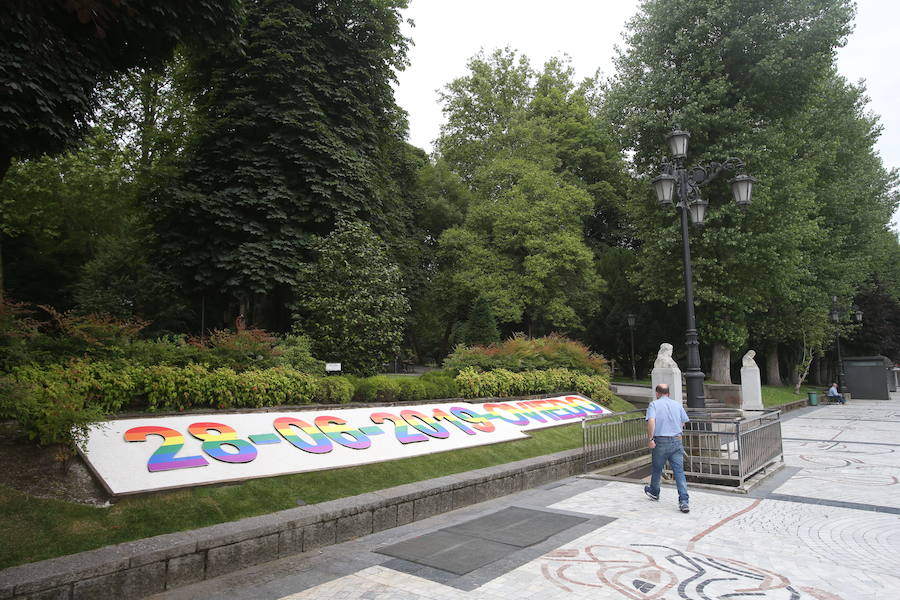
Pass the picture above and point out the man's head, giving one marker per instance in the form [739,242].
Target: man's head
[833,384]
[662,390]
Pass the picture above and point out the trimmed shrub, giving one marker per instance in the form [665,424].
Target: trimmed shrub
[334,390]
[411,389]
[379,388]
[501,383]
[521,353]
[295,351]
[172,350]
[439,384]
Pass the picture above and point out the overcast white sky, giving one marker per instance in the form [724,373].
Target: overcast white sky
[448,33]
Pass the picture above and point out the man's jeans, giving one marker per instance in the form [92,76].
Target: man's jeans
[669,449]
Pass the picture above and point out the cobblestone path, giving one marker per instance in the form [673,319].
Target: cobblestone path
[825,527]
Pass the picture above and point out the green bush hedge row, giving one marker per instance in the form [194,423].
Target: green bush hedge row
[55,404]
[521,353]
[501,383]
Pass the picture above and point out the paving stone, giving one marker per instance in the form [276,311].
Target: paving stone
[404,513]
[130,583]
[58,593]
[318,535]
[184,570]
[463,496]
[353,526]
[161,547]
[425,507]
[290,542]
[239,531]
[225,559]
[384,518]
[56,572]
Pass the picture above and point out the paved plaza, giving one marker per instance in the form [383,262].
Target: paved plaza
[825,527]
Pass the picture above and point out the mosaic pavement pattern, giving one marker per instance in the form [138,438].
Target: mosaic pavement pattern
[827,527]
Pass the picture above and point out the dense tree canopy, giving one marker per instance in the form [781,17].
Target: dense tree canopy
[293,128]
[755,81]
[220,163]
[54,54]
[351,302]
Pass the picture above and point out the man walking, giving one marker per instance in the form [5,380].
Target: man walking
[665,421]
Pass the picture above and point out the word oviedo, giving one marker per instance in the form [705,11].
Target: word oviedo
[145,454]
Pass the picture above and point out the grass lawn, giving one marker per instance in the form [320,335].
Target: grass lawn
[36,529]
[778,395]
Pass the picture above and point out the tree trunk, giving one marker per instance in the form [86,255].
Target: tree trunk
[773,373]
[5,161]
[721,363]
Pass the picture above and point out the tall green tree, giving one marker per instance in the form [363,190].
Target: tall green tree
[296,130]
[55,211]
[351,300]
[481,328]
[546,180]
[740,76]
[523,248]
[53,55]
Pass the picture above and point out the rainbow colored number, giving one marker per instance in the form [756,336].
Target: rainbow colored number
[214,444]
[338,431]
[164,458]
[427,425]
[319,445]
[401,430]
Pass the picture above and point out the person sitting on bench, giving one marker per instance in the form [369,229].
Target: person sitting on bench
[833,394]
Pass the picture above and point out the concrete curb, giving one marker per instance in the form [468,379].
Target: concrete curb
[144,567]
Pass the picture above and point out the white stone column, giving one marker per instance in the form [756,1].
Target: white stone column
[665,370]
[751,386]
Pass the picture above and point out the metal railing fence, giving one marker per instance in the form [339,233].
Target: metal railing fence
[719,444]
[610,437]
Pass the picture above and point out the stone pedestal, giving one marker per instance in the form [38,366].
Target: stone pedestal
[670,376]
[751,387]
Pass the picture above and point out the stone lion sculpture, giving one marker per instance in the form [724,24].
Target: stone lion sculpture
[748,361]
[664,358]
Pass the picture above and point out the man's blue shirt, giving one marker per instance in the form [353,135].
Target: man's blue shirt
[670,416]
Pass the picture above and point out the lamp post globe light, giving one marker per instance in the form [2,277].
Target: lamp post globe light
[837,315]
[631,318]
[676,180]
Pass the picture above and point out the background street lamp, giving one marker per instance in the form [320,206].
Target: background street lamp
[837,314]
[631,319]
[675,178]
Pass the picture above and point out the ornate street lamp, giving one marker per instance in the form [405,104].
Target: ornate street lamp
[630,317]
[837,314]
[674,180]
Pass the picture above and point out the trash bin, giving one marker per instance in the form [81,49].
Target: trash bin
[812,398]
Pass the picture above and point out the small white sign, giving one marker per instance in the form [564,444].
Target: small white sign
[332,367]
[202,449]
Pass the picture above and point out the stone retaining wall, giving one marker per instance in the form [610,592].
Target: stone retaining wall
[149,566]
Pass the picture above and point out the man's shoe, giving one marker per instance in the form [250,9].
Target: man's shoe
[684,508]
[650,494]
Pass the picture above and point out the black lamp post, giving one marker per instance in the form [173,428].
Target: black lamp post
[837,314]
[686,182]
[630,317]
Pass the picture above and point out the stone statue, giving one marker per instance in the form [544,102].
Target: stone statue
[751,388]
[664,358]
[665,370]
[748,361]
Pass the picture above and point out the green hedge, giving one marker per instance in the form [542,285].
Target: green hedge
[56,403]
[521,353]
[501,383]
